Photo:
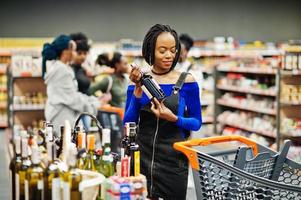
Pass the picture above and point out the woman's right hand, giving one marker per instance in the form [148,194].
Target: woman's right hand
[135,77]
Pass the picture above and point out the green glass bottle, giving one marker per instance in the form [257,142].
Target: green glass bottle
[107,168]
[81,146]
[90,159]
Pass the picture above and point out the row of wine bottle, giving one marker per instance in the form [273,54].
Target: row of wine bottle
[38,171]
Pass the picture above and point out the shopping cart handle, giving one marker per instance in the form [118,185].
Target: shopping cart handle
[185,147]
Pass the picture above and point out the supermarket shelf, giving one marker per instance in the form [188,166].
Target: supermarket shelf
[3,124]
[250,70]
[19,108]
[207,71]
[263,133]
[197,52]
[293,49]
[294,138]
[3,106]
[291,73]
[251,91]
[290,103]
[205,103]
[24,76]
[3,89]
[208,88]
[5,54]
[207,120]
[252,109]
[2,71]
[131,53]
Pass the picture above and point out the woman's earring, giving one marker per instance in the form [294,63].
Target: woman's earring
[150,60]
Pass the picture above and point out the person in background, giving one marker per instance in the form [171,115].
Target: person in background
[161,124]
[64,101]
[185,65]
[82,49]
[116,83]
[102,61]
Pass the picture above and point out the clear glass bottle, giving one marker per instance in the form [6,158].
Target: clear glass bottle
[34,176]
[52,176]
[21,176]
[15,165]
[72,178]
[90,159]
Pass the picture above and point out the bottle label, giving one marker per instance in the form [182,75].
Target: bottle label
[56,194]
[40,185]
[137,163]
[118,168]
[125,167]
[122,152]
[26,188]
[106,136]
[66,191]
[17,186]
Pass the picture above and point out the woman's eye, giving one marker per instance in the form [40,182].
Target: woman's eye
[162,52]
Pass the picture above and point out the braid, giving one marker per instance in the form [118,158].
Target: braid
[150,39]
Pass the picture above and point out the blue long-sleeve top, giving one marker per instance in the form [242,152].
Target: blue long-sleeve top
[188,98]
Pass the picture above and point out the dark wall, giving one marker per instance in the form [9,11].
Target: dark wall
[112,20]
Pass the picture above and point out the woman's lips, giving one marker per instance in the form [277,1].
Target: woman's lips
[167,63]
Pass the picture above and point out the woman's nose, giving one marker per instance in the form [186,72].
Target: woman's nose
[168,54]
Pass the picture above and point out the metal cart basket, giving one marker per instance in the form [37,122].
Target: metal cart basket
[250,171]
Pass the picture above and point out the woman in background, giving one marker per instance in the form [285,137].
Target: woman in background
[185,65]
[116,83]
[64,101]
[82,50]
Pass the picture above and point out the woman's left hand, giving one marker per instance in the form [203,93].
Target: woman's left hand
[161,111]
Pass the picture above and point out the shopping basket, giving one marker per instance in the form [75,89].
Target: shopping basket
[251,171]
[89,187]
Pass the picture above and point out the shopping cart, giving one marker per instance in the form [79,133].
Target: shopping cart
[251,171]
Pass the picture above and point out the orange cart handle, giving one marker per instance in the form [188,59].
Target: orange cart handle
[108,108]
[185,147]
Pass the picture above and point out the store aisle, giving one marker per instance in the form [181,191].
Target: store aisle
[4,163]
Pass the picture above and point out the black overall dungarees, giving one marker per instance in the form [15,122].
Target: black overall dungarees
[165,168]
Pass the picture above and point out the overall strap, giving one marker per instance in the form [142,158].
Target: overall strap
[189,67]
[180,82]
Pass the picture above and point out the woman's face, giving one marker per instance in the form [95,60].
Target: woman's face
[80,57]
[122,66]
[165,51]
[184,52]
[70,53]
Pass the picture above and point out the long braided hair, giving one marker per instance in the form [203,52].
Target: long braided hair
[149,43]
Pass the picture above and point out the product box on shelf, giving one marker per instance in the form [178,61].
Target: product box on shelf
[26,66]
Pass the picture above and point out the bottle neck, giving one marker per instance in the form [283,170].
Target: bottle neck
[81,140]
[49,134]
[106,137]
[24,148]
[18,145]
[72,163]
[91,143]
[51,152]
